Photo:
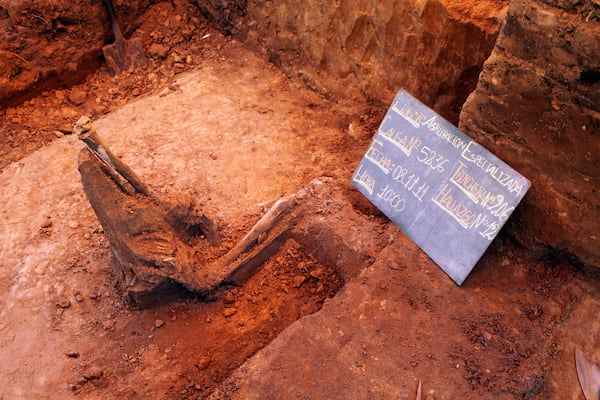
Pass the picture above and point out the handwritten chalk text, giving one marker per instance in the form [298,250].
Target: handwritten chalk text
[410,182]
[457,209]
[415,118]
[364,179]
[405,143]
[504,178]
[376,154]
[444,133]
[432,159]
[389,196]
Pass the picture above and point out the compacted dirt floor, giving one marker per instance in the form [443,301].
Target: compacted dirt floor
[349,309]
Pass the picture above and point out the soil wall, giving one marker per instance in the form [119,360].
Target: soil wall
[537,106]
[48,44]
[342,48]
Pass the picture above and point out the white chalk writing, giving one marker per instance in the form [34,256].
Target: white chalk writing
[457,209]
[490,227]
[410,182]
[405,143]
[439,130]
[362,178]
[415,118]
[376,154]
[389,196]
[432,159]
[504,178]
[468,184]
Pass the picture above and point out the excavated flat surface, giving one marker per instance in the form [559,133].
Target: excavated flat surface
[235,135]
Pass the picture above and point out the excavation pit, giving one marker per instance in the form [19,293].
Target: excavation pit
[234,130]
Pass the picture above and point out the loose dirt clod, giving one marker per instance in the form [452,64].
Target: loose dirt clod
[229,312]
[93,373]
[203,363]
[77,96]
[66,303]
[108,325]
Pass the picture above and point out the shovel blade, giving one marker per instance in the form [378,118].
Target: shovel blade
[122,56]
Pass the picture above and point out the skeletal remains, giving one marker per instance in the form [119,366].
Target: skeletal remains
[149,235]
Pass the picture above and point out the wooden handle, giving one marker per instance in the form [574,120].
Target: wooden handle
[112,16]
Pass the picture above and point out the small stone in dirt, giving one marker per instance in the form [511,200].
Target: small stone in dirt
[94,296]
[297,281]
[66,129]
[158,50]
[229,298]
[58,134]
[66,303]
[521,350]
[78,297]
[93,373]
[203,363]
[229,311]
[77,96]
[159,323]
[72,354]
[166,91]
[318,273]
[352,132]
[73,224]
[108,324]
[47,223]
[68,112]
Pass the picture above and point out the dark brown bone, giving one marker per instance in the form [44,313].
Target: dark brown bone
[152,259]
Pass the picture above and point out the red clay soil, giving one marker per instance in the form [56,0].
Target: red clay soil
[349,309]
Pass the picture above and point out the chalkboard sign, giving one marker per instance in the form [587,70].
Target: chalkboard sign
[446,192]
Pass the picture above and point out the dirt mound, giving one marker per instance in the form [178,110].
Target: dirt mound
[50,77]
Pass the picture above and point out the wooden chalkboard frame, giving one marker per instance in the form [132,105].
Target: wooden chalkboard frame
[449,194]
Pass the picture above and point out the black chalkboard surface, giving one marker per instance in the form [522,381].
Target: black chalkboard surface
[446,192]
